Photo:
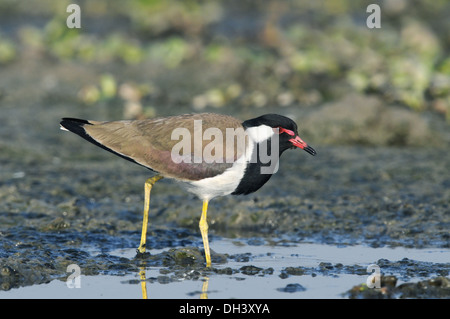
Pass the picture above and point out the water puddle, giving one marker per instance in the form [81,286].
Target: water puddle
[258,270]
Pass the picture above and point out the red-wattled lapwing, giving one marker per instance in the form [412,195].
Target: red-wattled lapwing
[239,160]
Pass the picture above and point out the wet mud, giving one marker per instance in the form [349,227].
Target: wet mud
[76,211]
[380,178]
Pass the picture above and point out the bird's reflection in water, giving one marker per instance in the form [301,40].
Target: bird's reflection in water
[203,295]
[143,282]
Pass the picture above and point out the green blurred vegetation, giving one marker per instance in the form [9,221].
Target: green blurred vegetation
[267,52]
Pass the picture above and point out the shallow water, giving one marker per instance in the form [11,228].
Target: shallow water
[289,270]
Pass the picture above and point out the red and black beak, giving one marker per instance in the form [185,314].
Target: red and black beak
[298,142]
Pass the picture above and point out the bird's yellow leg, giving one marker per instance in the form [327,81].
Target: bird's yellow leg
[204,231]
[148,187]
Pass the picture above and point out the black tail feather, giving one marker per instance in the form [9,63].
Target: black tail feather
[77,126]
[74,125]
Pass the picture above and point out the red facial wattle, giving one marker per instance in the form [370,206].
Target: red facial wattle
[297,141]
[284,130]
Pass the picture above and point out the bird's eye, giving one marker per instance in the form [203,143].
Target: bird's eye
[283,130]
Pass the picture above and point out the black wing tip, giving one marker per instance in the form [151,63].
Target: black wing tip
[73,121]
[73,125]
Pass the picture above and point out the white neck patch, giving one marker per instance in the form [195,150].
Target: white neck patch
[260,133]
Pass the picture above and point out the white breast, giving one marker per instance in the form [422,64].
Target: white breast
[228,181]
[223,184]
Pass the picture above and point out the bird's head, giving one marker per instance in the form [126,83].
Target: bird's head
[266,126]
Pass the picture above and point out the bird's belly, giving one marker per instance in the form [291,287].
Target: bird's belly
[219,185]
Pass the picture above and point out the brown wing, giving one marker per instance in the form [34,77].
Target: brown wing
[151,143]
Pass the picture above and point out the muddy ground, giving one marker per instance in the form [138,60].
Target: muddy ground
[61,199]
[380,178]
